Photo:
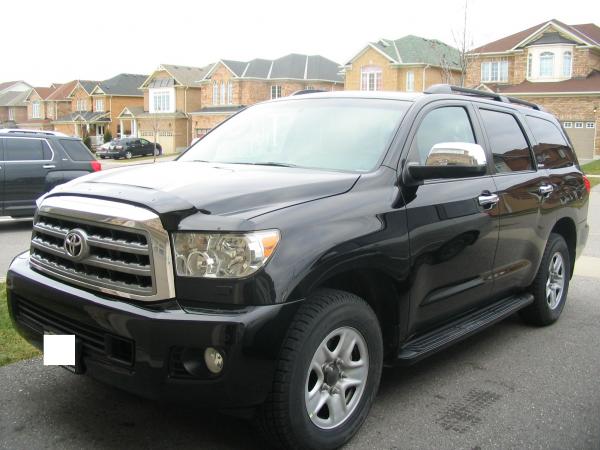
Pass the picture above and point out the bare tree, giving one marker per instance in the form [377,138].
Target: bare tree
[155,129]
[463,42]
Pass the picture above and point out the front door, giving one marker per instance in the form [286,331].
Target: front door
[27,164]
[520,186]
[453,237]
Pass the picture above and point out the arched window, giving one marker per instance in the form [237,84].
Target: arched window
[547,64]
[566,67]
[215,96]
[529,65]
[370,78]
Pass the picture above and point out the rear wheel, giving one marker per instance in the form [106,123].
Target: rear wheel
[327,376]
[128,155]
[551,284]
[156,152]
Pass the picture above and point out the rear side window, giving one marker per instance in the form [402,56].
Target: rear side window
[508,144]
[551,150]
[76,150]
[26,150]
[446,124]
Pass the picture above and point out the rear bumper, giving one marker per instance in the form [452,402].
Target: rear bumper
[141,350]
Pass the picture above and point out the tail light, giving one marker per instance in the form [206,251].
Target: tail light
[96,166]
[588,186]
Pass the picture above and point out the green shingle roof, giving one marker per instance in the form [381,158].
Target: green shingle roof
[417,50]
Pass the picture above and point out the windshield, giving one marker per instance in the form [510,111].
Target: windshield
[334,133]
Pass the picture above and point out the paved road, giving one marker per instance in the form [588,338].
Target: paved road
[512,386]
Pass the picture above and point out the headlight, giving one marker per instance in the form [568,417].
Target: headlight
[222,255]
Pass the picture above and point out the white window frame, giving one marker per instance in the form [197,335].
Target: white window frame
[229,92]
[567,64]
[162,100]
[309,87]
[215,93]
[100,104]
[371,78]
[275,91]
[567,124]
[410,81]
[36,109]
[545,58]
[529,65]
[578,124]
[222,97]
[11,114]
[494,71]
[81,104]
[590,125]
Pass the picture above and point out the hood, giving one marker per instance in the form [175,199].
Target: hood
[213,188]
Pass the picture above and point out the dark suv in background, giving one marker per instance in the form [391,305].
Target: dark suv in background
[280,262]
[32,163]
[128,148]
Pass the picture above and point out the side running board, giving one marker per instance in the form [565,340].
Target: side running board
[424,345]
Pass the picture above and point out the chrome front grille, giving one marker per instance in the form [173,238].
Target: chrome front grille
[124,249]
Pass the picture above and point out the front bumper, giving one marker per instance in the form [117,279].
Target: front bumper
[140,349]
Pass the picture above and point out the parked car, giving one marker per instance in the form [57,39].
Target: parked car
[128,148]
[32,163]
[279,263]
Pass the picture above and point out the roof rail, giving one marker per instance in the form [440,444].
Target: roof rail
[449,89]
[306,91]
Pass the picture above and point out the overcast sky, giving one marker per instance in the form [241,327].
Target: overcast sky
[58,40]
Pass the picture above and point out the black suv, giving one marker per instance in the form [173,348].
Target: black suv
[32,163]
[128,148]
[279,263]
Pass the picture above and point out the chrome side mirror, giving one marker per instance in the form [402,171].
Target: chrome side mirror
[451,160]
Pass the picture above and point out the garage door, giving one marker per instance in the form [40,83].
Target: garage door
[582,136]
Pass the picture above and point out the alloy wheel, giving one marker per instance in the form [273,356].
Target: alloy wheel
[555,283]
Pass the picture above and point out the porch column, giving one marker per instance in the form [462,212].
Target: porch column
[87,128]
[134,130]
[122,129]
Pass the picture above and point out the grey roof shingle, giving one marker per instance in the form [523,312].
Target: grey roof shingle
[292,66]
[88,85]
[123,84]
[551,38]
[412,49]
[14,98]
[87,116]
[187,76]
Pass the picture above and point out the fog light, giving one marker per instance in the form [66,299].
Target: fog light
[213,359]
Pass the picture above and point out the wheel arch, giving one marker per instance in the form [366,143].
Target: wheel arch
[566,228]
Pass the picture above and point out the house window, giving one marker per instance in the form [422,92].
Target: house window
[309,87]
[215,96]
[590,125]
[100,104]
[578,124]
[529,65]
[35,110]
[494,71]
[229,93]
[547,64]
[81,104]
[566,68]
[161,100]
[370,78]
[222,93]
[410,81]
[568,125]
[275,91]
[11,114]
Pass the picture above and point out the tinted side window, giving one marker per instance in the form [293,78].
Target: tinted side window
[508,144]
[76,150]
[552,150]
[23,150]
[446,124]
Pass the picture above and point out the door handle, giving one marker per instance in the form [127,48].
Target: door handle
[546,189]
[488,200]
[48,166]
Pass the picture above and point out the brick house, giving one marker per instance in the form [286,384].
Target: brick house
[553,64]
[231,85]
[408,64]
[96,105]
[37,108]
[13,108]
[58,104]
[171,92]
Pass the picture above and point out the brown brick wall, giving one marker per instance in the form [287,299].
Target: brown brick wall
[206,122]
[78,94]
[172,133]
[66,128]
[117,104]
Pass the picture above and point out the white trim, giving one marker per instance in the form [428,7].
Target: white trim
[306,67]
[546,25]
[245,69]
[590,125]
[270,70]
[578,125]
[397,52]
[568,124]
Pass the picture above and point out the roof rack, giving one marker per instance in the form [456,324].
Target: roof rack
[449,89]
[307,91]
[31,131]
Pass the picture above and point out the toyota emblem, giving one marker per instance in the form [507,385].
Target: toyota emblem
[76,244]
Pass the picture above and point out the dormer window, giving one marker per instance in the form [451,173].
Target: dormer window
[567,64]
[547,64]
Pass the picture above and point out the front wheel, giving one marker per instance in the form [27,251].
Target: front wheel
[128,155]
[327,375]
[156,152]
[551,284]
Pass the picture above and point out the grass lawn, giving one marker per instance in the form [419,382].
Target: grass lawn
[592,168]
[12,346]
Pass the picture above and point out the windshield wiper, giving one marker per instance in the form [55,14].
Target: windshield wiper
[273,163]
